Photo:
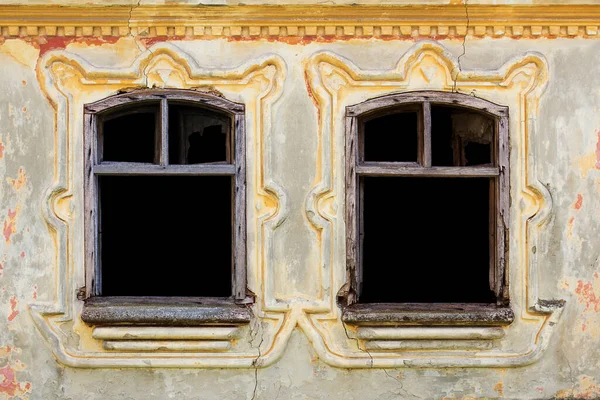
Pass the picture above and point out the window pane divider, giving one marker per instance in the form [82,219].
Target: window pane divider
[381,169]
[426,134]
[164,132]
[125,169]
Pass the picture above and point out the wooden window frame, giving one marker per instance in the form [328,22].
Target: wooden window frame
[356,167]
[94,115]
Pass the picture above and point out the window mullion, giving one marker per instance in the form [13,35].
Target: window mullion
[426,157]
[163,128]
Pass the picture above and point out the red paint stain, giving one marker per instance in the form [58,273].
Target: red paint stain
[579,202]
[598,150]
[22,254]
[34,295]
[9,225]
[13,308]
[9,384]
[149,41]
[1,150]
[1,268]
[587,296]
[46,44]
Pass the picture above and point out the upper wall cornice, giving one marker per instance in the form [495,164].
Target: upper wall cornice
[301,21]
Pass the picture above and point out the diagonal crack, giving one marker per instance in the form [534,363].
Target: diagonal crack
[357,340]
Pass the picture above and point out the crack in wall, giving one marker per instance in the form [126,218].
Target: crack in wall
[254,332]
[464,46]
[137,43]
[356,339]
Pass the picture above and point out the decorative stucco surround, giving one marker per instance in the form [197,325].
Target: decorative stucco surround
[70,81]
[336,83]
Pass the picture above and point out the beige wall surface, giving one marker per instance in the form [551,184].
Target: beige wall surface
[295,89]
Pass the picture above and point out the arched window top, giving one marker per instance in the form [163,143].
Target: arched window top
[400,100]
[133,98]
[165,127]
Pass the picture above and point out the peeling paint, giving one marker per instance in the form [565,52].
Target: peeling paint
[10,386]
[579,202]
[10,225]
[20,181]
[499,388]
[13,308]
[586,389]
[588,293]
[46,44]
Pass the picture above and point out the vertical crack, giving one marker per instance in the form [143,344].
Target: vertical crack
[254,331]
[142,49]
[464,45]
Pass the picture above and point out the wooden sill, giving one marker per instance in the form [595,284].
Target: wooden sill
[164,311]
[430,314]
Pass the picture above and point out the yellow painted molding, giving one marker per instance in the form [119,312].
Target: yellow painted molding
[282,22]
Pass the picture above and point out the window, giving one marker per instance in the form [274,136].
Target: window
[426,206]
[165,205]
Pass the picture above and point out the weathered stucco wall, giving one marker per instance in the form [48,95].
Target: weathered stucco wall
[564,140]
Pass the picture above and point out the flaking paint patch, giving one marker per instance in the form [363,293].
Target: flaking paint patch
[499,388]
[587,293]
[13,309]
[10,224]
[20,181]
[590,161]
[46,44]
[586,388]
[10,386]
[576,206]
[23,52]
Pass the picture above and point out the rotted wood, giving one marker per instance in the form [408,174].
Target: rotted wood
[239,201]
[381,169]
[128,168]
[430,314]
[171,311]
[206,99]
[447,98]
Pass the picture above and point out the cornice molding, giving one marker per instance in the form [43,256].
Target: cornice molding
[311,22]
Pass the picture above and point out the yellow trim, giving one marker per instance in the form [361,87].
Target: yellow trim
[274,21]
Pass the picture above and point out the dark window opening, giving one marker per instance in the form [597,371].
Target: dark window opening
[165,197]
[198,136]
[130,137]
[392,138]
[432,230]
[166,236]
[460,138]
[426,240]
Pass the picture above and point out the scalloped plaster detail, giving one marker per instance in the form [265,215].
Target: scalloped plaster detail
[68,82]
[334,83]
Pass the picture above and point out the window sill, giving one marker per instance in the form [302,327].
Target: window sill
[164,311]
[427,314]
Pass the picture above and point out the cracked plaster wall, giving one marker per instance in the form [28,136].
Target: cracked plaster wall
[567,145]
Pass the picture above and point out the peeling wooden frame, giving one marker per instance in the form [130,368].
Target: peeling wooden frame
[96,113]
[356,167]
